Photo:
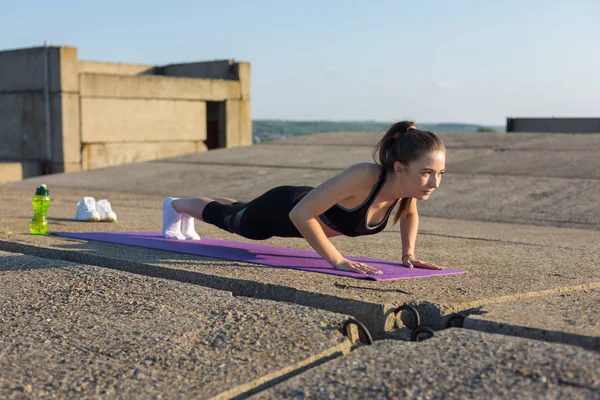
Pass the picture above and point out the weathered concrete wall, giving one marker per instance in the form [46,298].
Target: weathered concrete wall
[238,133]
[22,126]
[113,113]
[23,107]
[157,87]
[97,67]
[66,137]
[554,125]
[105,120]
[15,171]
[22,70]
[232,126]
[102,155]
[245,123]
[242,74]
[66,142]
[221,69]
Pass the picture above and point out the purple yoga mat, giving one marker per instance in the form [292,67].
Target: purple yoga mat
[305,260]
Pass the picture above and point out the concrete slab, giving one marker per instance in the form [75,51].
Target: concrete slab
[499,270]
[70,330]
[565,238]
[454,364]
[490,141]
[522,141]
[558,202]
[507,199]
[562,142]
[512,189]
[575,164]
[572,318]
[480,222]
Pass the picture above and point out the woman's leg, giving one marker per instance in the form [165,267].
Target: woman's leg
[179,214]
[195,206]
[262,218]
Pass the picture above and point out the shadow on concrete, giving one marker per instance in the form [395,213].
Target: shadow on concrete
[255,257]
[53,219]
[21,262]
[437,318]
[187,268]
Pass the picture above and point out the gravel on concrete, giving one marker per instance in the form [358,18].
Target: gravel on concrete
[454,364]
[570,318]
[71,330]
[499,270]
[476,221]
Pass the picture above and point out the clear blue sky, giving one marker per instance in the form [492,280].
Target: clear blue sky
[433,61]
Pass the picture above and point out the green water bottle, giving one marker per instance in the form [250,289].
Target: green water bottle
[41,201]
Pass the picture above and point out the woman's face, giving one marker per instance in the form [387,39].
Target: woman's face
[422,176]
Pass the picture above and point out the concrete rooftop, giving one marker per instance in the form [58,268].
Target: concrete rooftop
[518,211]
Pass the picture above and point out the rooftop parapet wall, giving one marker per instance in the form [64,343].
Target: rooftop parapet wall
[23,106]
[159,111]
[218,69]
[23,70]
[157,87]
[105,120]
[223,69]
[553,125]
[98,67]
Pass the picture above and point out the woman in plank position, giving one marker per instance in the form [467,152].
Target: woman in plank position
[358,201]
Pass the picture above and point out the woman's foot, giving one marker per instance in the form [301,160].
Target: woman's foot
[187,228]
[171,227]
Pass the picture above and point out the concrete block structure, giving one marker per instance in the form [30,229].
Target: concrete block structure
[61,114]
[553,125]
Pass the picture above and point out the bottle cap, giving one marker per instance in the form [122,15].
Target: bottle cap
[42,191]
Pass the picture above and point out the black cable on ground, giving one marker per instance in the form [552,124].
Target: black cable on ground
[360,326]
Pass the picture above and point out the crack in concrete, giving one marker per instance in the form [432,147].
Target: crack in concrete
[485,239]
[379,318]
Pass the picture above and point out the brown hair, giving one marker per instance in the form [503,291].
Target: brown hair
[404,143]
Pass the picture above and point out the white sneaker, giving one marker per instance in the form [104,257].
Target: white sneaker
[86,210]
[105,211]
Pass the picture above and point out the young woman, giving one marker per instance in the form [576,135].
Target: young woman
[358,201]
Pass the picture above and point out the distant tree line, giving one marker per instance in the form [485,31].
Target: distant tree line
[265,130]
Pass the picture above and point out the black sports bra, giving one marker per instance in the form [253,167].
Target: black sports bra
[353,222]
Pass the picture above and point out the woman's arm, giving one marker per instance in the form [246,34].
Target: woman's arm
[409,226]
[306,213]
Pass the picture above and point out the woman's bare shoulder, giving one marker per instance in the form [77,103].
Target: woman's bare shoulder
[352,181]
[365,171]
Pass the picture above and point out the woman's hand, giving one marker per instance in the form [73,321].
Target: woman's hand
[355,266]
[410,261]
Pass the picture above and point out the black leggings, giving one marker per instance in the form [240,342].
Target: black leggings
[262,218]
